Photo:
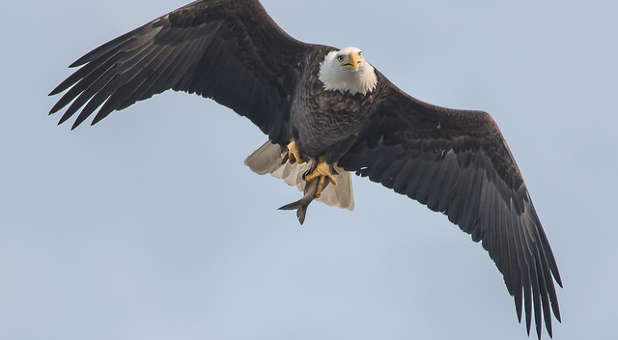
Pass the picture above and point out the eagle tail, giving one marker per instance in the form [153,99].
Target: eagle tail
[268,158]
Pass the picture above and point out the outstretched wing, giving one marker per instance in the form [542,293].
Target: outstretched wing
[228,50]
[458,163]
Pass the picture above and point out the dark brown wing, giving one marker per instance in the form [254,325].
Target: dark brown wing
[228,50]
[458,163]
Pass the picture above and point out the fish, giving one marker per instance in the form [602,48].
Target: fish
[308,197]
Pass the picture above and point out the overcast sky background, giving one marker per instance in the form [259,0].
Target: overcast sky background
[148,226]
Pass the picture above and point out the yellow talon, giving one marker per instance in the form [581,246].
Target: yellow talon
[321,171]
[294,153]
[318,190]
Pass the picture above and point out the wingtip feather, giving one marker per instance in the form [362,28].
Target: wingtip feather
[81,61]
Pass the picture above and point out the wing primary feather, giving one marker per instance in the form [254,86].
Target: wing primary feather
[82,85]
[105,93]
[134,81]
[102,61]
[115,73]
[503,232]
[117,42]
[543,239]
[523,255]
[527,287]
[101,96]
[121,77]
[544,271]
[516,265]
[533,271]
[536,299]
[83,72]
[127,94]
[544,292]
[111,90]
[140,87]
[493,223]
[86,95]
[94,81]
[553,299]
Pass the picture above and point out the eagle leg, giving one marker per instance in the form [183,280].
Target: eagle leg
[294,153]
[321,172]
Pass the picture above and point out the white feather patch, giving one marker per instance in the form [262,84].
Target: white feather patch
[336,77]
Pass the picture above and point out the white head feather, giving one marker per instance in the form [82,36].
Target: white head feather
[347,71]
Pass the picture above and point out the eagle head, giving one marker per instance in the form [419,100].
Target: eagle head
[346,70]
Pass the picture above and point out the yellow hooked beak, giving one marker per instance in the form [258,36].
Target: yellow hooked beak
[353,61]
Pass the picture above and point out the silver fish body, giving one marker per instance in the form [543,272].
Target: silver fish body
[309,195]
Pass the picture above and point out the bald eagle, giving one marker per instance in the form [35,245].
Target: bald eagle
[328,112]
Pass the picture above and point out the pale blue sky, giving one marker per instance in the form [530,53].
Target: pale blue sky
[148,226]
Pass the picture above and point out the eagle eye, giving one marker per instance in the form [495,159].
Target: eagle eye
[340,58]
[360,53]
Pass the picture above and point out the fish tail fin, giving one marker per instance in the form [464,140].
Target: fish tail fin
[292,206]
[300,207]
[300,214]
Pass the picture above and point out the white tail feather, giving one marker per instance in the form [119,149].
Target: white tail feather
[267,159]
